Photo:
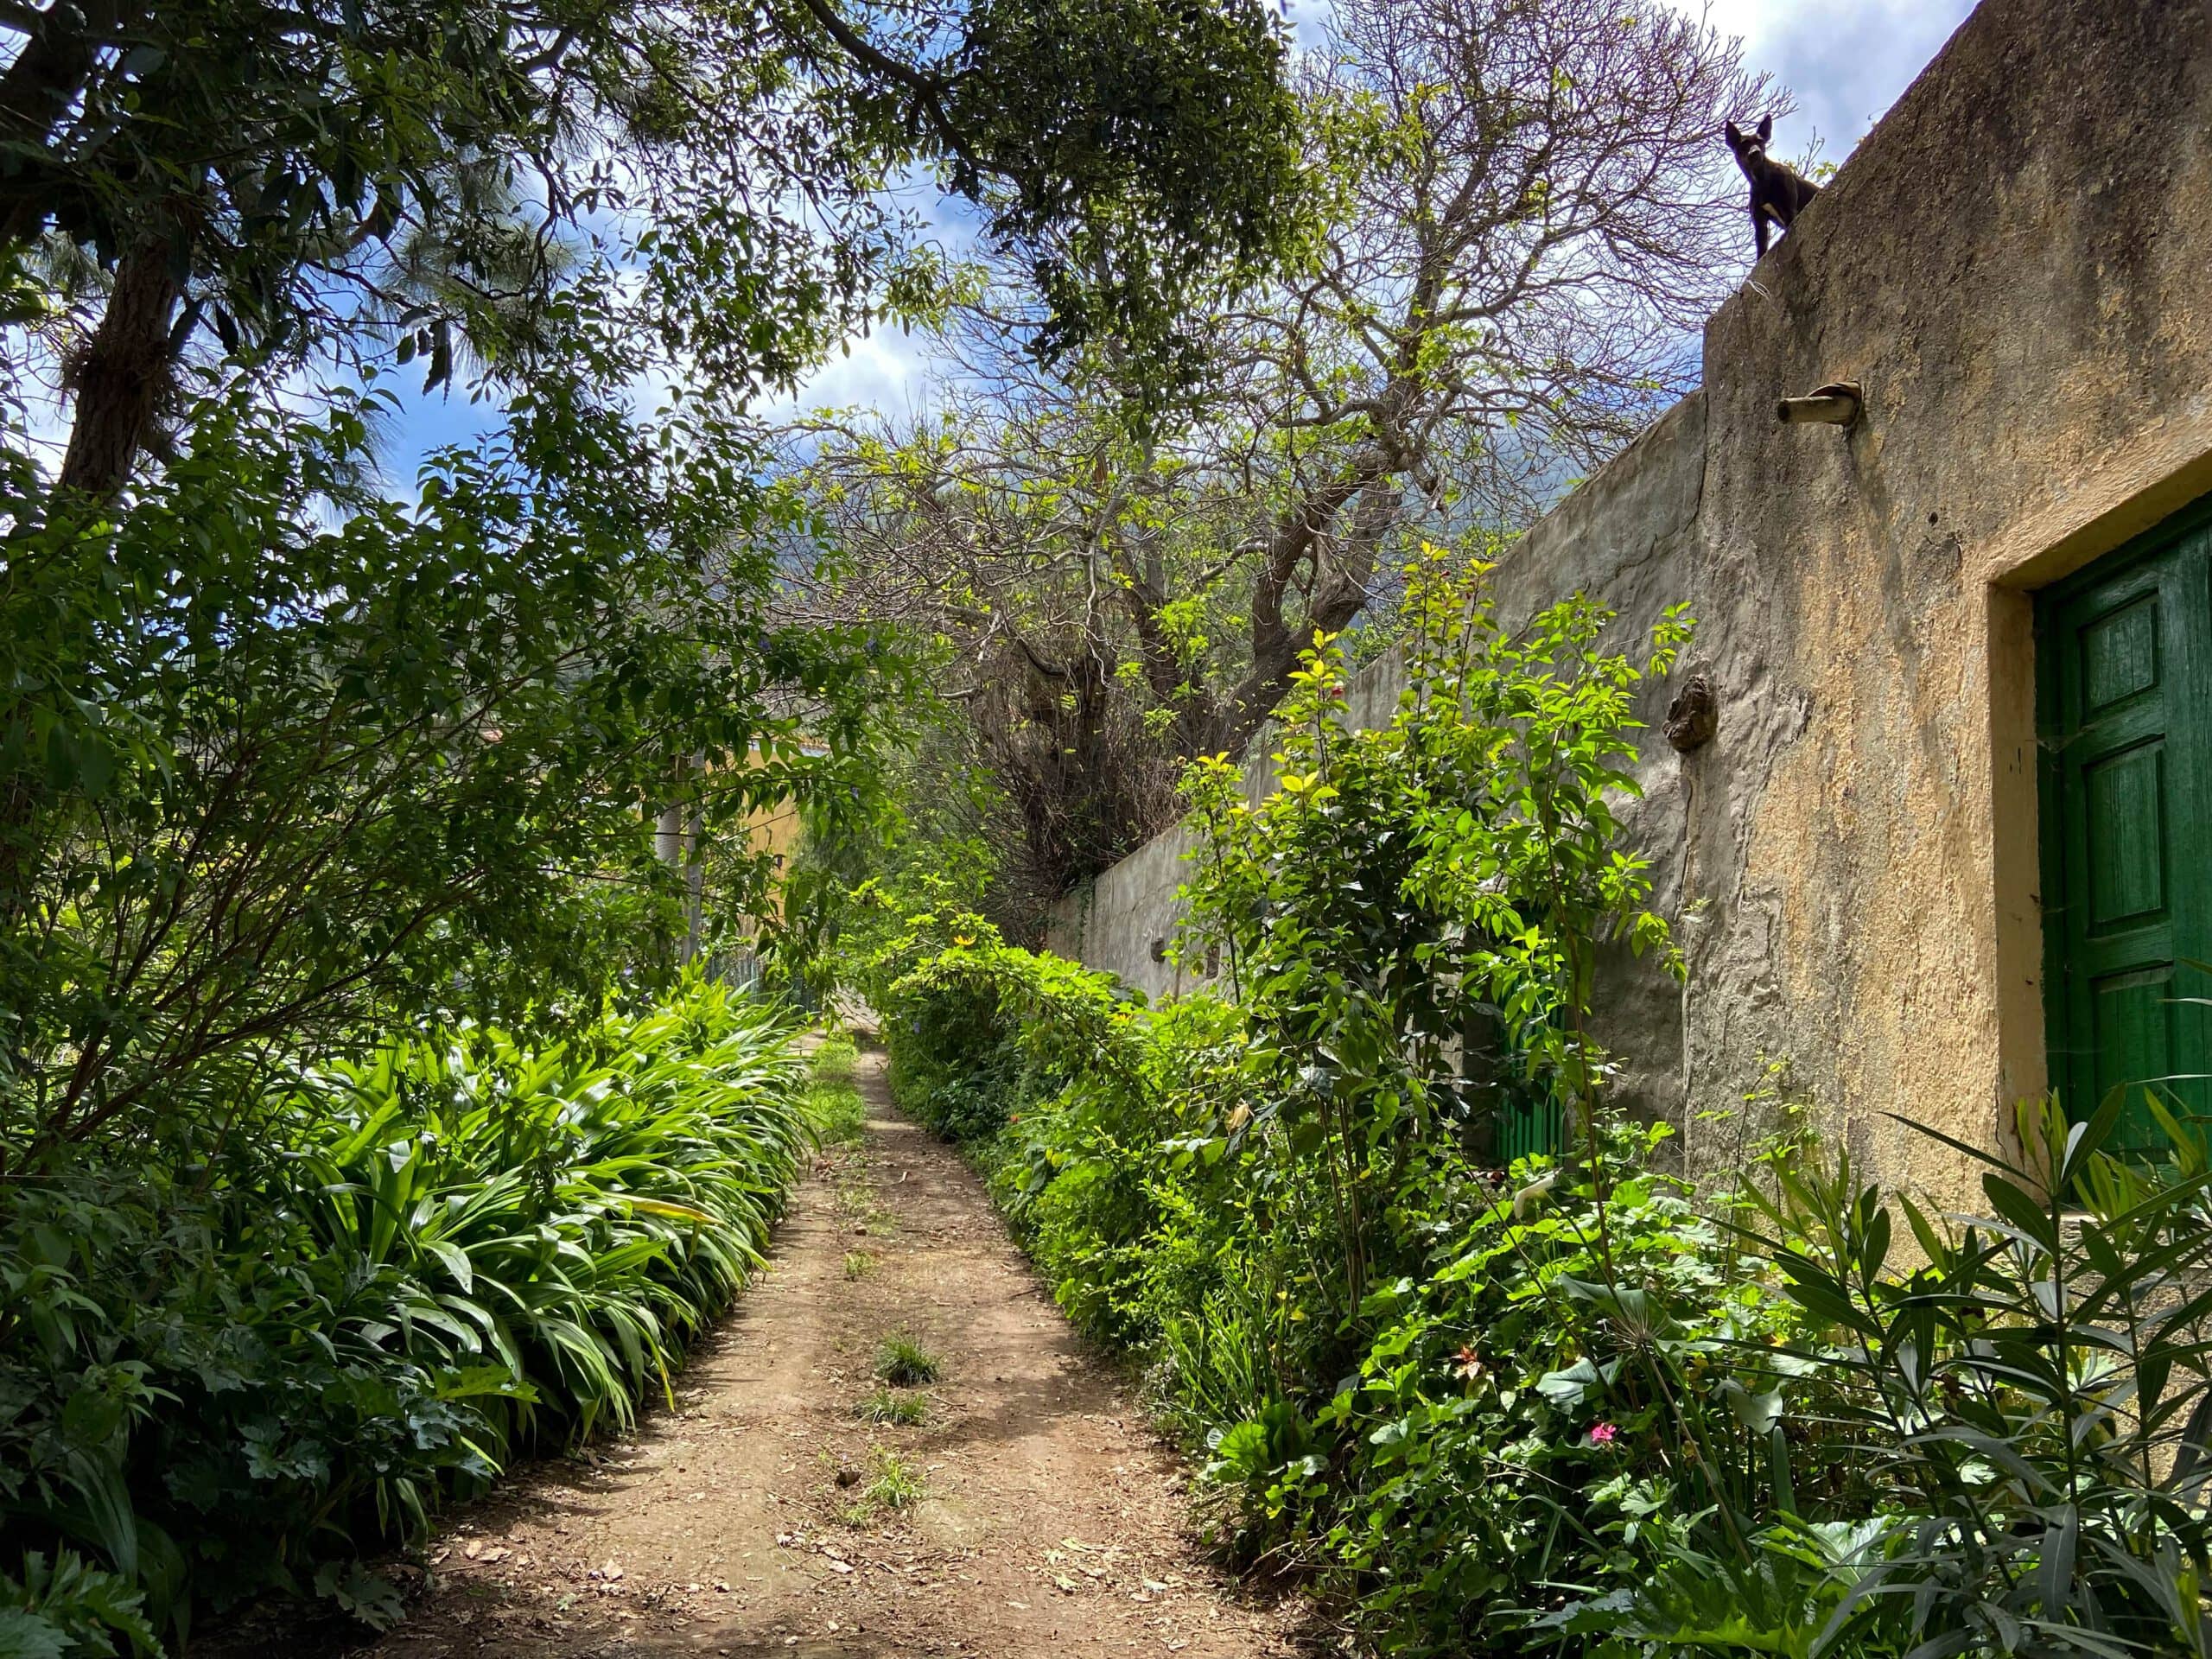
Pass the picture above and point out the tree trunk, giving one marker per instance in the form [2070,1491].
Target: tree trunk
[1339,593]
[126,369]
[37,91]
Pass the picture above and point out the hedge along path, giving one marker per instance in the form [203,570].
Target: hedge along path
[1053,1523]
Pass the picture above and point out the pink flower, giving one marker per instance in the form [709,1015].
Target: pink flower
[1602,1433]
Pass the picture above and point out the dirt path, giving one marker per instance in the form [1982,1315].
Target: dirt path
[1052,1519]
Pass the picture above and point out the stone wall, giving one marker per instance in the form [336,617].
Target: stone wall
[2017,267]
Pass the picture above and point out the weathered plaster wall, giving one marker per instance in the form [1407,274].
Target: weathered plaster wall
[2016,266]
[1117,921]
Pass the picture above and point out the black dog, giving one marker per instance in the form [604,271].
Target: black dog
[1778,193]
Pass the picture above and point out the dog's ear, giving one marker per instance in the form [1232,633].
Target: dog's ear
[1734,133]
[1766,128]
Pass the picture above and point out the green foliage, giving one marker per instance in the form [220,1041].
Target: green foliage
[903,1410]
[905,1363]
[893,1486]
[1430,359]
[863,888]
[2030,1399]
[1575,1405]
[290,765]
[66,1609]
[241,1379]
[1130,221]
[833,1061]
[834,1107]
[836,1112]
[2008,1453]
[296,180]
[1439,883]
[302,757]
[985,1025]
[1600,1359]
[1269,1197]
[273,779]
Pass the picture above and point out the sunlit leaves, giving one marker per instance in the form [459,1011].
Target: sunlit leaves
[392,759]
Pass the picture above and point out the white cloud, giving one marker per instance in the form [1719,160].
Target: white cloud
[880,371]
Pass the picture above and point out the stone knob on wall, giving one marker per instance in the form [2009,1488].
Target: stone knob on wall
[1837,403]
[1693,716]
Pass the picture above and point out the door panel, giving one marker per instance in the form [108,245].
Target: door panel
[2119,654]
[2125,807]
[2133,1038]
[2126,649]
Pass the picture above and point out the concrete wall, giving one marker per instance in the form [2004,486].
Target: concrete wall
[2016,266]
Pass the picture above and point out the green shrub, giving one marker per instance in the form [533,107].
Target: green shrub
[240,1380]
[834,1106]
[2031,1401]
[66,1609]
[956,1065]
[1566,1391]
[1575,1407]
[834,1059]
[956,1007]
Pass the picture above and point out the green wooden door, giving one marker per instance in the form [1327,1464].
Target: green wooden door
[2124,651]
[1530,1122]
[1525,1119]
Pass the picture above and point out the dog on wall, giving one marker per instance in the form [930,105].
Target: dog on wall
[1779,192]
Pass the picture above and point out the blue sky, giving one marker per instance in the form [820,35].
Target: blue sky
[1846,62]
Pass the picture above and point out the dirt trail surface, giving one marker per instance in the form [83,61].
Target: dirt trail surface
[1053,1520]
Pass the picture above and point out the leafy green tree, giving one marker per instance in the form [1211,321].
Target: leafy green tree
[279,755]
[320,774]
[258,171]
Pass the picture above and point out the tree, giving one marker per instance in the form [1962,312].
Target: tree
[1519,211]
[252,170]
[282,758]
[1528,222]
[327,775]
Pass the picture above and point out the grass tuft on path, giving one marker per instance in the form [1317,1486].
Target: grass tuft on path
[901,1410]
[894,1485]
[905,1363]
